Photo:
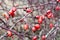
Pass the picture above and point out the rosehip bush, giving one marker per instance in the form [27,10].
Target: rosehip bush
[29,19]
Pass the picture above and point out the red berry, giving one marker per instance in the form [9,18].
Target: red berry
[33,29]
[50,15]
[28,10]
[37,16]
[26,27]
[57,8]
[51,25]
[58,1]
[40,20]
[9,33]
[48,12]
[11,13]
[34,38]
[43,37]
[37,26]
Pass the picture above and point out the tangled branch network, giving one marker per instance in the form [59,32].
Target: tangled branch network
[29,19]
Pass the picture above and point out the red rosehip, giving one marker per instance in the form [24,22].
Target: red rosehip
[43,37]
[50,15]
[37,16]
[26,27]
[33,29]
[9,33]
[11,13]
[6,16]
[34,38]
[51,25]
[40,20]
[57,8]
[37,26]
[28,10]
[58,1]
[48,12]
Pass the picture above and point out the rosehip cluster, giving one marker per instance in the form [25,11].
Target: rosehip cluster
[36,27]
[49,14]
[11,12]
[40,19]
